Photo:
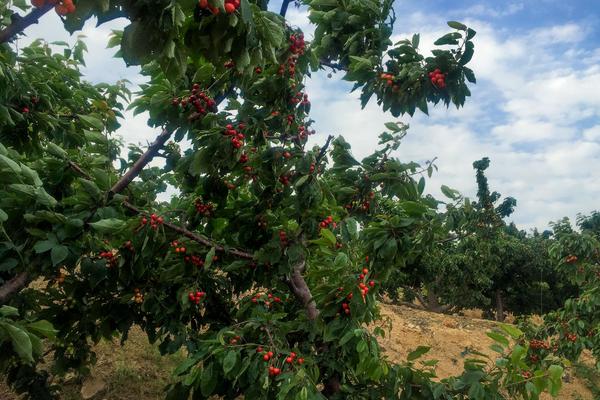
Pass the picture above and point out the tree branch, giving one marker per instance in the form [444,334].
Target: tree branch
[335,67]
[20,24]
[324,149]
[284,7]
[13,286]
[194,236]
[299,287]
[139,165]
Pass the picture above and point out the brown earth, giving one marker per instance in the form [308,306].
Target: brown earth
[137,371]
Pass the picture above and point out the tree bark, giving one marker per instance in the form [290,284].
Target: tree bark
[21,23]
[13,286]
[302,291]
[499,306]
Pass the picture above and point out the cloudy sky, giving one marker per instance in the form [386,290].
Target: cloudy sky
[535,110]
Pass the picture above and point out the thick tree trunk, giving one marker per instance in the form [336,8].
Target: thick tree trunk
[499,306]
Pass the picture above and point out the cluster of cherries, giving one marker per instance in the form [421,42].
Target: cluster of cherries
[138,297]
[437,78]
[537,344]
[388,78]
[283,238]
[284,180]
[364,289]
[300,98]
[230,6]
[270,298]
[203,208]
[195,297]
[243,158]
[268,355]
[110,257]
[62,7]
[180,249]
[128,245]
[571,337]
[202,102]
[297,44]
[303,132]
[237,137]
[155,221]
[176,248]
[571,259]
[327,222]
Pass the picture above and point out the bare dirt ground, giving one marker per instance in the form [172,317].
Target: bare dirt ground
[137,371]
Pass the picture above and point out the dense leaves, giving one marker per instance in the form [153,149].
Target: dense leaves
[266,262]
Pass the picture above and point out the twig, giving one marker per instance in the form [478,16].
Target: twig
[302,291]
[20,24]
[194,236]
[13,286]
[80,171]
[324,149]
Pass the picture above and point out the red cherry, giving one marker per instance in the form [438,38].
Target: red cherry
[301,361]
[266,357]
[365,271]
[270,354]
[372,283]
[229,8]
[259,349]
[289,360]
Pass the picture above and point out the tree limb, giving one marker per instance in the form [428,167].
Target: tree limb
[194,236]
[21,23]
[324,149]
[13,286]
[301,290]
[284,7]
[139,165]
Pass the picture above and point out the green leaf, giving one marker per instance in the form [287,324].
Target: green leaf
[208,260]
[231,358]
[449,38]
[498,338]
[44,246]
[6,162]
[327,234]
[417,353]
[512,330]
[208,380]
[59,254]
[246,12]
[468,54]
[42,328]
[393,126]
[450,193]
[92,121]
[301,181]
[109,225]
[8,311]
[20,341]
[3,216]
[56,151]
[415,40]
[457,25]
[8,263]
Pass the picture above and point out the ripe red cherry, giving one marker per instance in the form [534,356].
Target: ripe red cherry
[365,271]
[25,110]
[266,357]
[259,349]
[289,360]
[301,361]
[372,283]
[229,8]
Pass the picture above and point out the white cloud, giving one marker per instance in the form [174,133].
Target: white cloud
[481,10]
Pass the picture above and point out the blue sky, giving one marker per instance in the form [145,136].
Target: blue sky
[535,110]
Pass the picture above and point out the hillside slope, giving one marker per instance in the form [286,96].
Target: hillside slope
[138,371]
